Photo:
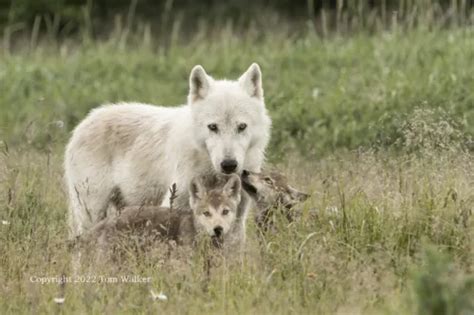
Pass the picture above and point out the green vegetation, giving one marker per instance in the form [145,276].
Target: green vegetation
[322,94]
[378,127]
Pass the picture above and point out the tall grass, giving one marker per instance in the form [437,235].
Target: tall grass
[355,249]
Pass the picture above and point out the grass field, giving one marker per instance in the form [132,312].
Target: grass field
[378,128]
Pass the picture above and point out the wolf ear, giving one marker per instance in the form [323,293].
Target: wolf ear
[196,190]
[199,84]
[232,187]
[298,195]
[251,81]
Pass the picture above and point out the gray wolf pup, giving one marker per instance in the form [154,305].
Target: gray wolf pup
[214,201]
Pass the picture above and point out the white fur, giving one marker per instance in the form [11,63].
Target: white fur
[142,149]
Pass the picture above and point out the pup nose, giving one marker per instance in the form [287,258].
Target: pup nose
[218,231]
[228,166]
[245,173]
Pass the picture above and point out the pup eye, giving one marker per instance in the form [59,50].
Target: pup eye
[206,213]
[225,212]
[268,180]
[212,127]
[242,127]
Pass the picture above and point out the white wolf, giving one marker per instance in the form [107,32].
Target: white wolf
[130,154]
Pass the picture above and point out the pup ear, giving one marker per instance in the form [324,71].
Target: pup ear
[196,190]
[251,81]
[298,195]
[233,186]
[199,84]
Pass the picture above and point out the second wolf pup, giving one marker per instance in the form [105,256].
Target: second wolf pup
[271,192]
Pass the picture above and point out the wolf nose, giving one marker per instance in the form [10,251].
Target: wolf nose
[218,231]
[245,173]
[228,166]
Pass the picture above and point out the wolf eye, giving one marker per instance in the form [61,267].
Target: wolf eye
[242,127]
[268,180]
[212,127]
[206,213]
[225,212]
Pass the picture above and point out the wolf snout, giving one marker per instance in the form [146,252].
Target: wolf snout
[218,231]
[229,166]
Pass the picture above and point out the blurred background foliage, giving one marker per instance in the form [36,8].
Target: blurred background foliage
[67,17]
[339,74]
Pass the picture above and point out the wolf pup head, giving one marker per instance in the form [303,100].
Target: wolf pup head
[271,190]
[230,121]
[214,200]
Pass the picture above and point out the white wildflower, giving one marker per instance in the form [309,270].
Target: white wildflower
[315,93]
[160,296]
